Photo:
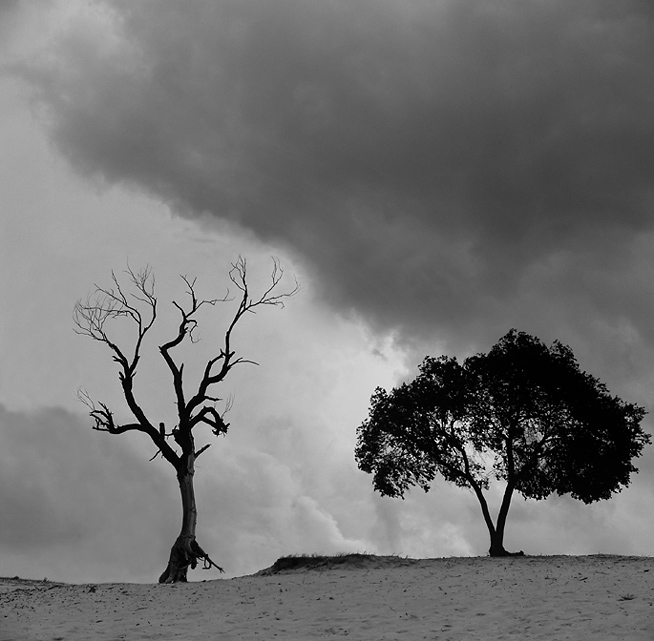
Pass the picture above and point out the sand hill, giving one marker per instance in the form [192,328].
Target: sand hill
[355,596]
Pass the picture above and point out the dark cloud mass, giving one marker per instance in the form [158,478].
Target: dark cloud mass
[434,162]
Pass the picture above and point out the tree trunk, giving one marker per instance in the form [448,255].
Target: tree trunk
[497,544]
[497,533]
[186,551]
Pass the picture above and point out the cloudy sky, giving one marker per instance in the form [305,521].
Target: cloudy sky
[434,173]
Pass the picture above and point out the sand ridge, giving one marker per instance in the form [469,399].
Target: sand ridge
[364,597]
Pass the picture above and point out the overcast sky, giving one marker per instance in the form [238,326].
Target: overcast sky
[433,172]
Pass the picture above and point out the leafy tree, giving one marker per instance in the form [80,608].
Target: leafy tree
[177,446]
[524,414]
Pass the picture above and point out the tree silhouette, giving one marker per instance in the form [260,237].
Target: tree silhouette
[524,414]
[140,307]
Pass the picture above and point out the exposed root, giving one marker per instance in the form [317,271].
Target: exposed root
[185,553]
[503,552]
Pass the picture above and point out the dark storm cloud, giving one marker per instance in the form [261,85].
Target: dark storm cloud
[445,168]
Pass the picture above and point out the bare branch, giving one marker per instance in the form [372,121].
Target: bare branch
[207,564]
[211,417]
[229,403]
[140,308]
[238,276]
[202,449]
[185,329]
[139,305]
[247,304]
[105,304]
[84,397]
[103,416]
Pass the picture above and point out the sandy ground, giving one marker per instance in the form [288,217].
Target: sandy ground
[358,597]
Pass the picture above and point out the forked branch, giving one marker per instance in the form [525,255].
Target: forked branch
[220,365]
[103,417]
[91,316]
[140,307]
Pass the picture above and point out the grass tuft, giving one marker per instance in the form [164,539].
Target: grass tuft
[357,560]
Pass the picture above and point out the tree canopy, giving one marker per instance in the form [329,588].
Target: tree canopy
[524,414]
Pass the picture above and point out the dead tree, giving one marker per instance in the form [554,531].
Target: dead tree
[139,306]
